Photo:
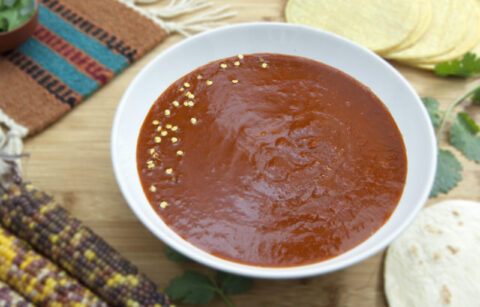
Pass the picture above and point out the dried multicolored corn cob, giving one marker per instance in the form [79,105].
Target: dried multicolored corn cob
[38,279]
[49,228]
[10,298]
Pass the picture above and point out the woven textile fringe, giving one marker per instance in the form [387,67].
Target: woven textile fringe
[178,7]
[198,23]
[11,144]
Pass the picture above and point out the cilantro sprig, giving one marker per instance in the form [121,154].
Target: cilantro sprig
[462,135]
[175,256]
[198,288]
[467,66]
[14,13]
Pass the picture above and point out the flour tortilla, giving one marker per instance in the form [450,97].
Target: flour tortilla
[447,28]
[379,25]
[469,41]
[436,262]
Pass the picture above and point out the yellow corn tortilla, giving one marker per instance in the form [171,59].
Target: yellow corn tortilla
[379,25]
[447,28]
[476,49]
[469,41]
[424,19]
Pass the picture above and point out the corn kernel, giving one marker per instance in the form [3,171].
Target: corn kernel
[53,238]
[44,209]
[89,254]
[132,280]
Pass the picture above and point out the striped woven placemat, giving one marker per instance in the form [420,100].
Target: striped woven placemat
[78,46]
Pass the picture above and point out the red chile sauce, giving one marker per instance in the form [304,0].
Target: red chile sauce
[293,164]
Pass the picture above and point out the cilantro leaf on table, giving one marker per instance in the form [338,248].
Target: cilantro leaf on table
[432,107]
[191,288]
[448,173]
[197,288]
[476,97]
[466,66]
[175,256]
[233,284]
[462,136]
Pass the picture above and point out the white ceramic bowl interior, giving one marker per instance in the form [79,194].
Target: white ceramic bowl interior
[371,70]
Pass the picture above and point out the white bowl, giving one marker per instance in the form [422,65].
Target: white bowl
[371,70]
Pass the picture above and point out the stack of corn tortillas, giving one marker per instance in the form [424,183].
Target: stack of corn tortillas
[420,33]
[436,262]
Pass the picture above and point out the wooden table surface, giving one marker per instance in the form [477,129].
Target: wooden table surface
[71,160]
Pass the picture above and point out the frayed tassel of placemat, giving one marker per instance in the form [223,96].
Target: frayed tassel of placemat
[178,7]
[11,146]
[201,22]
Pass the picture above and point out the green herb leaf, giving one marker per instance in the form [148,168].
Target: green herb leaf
[448,173]
[464,67]
[175,256]
[462,136]
[14,13]
[9,3]
[432,107]
[476,97]
[3,24]
[191,288]
[233,284]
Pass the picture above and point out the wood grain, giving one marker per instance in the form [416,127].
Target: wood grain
[71,160]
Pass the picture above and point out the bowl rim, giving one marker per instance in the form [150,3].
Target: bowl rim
[23,25]
[274,272]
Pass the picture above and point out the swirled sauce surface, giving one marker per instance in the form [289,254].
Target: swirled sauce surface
[271,160]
